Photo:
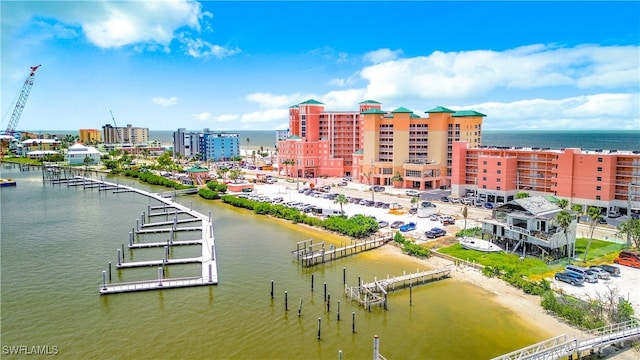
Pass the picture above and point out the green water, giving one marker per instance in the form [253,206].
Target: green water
[56,241]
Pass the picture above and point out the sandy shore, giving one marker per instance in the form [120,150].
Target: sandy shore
[528,306]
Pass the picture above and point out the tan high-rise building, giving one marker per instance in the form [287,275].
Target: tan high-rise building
[125,135]
[90,136]
[409,151]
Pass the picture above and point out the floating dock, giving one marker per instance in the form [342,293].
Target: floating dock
[375,293]
[310,254]
[208,274]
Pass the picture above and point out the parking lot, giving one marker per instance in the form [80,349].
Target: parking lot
[627,285]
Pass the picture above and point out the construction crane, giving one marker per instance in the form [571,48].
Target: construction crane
[22,100]
[17,111]
[116,126]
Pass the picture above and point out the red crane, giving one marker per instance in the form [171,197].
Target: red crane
[22,100]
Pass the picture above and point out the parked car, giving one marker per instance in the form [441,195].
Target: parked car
[347,178]
[599,272]
[435,233]
[444,199]
[629,254]
[570,278]
[447,220]
[377,188]
[413,211]
[413,193]
[487,205]
[434,217]
[613,214]
[612,270]
[342,183]
[627,261]
[383,224]
[635,216]
[397,224]
[408,227]
[592,278]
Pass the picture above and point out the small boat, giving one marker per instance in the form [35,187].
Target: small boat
[479,245]
[7,182]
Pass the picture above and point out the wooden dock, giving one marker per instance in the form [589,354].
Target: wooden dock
[208,274]
[375,293]
[310,254]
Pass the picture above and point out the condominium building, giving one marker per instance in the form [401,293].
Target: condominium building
[206,145]
[125,135]
[322,143]
[608,179]
[406,150]
[90,136]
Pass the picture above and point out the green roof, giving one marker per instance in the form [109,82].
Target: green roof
[440,109]
[293,107]
[415,116]
[373,111]
[467,113]
[311,102]
[402,110]
[370,102]
[196,169]
[294,137]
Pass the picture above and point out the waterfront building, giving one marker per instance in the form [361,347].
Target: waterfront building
[90,136]
[38,144]
[206,145]
[77,153]
[527,226]
[322,143]
[405,150]
[281,135]
[125,135]
[609,179]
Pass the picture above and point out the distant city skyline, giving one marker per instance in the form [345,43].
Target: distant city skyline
[241,65]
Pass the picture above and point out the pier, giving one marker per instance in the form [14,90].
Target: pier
[310,254]
[145,225]
[375,293]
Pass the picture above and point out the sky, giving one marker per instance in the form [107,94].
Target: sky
[240,65]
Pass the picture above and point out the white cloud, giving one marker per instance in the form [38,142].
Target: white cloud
[270,101]
[598,111]
[382,55]
[227,117]
[459,75]
[198,48]
[121,23]
[265,116]
[203,116]
[165,101]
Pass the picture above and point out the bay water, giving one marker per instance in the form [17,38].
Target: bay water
[56,241]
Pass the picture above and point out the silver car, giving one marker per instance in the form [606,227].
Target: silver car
[599,272]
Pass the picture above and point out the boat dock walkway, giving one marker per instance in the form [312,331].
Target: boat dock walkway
[310,254]
[375,293]
[208,274]
[562,346]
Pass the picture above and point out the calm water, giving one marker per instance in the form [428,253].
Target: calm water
[56,240]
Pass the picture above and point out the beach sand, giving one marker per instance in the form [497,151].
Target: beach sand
[528,306]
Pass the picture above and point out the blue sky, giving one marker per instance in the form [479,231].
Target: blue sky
[240,65]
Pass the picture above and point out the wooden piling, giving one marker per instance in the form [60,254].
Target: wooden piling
[312,276]
[272,289]
[319,326]
[338,314]
[286,302]
[353,322]
[328,302]
[325,291]
[109,271]
[300,307]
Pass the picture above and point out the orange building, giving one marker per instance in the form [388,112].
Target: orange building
[608,179]
[322,143]
[408,151]
[90,136]
[372,145]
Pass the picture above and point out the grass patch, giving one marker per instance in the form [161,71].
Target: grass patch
[508,262]
[599,249]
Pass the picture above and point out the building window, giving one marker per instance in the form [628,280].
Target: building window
[599,178]
[484,171]
[499,163]
[484,163]
[484,178]
[598,188]
[599,159]
[497,187]
[599,169]
[499,172]
[597,197]
[484,186]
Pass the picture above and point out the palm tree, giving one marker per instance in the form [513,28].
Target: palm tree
[563,220]
[286,164]
[563,203]
[465,213]
[414,201]
[248,141]
[522,195]
[341,200]
[595,215]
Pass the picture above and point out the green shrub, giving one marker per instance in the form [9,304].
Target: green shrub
[208,194]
